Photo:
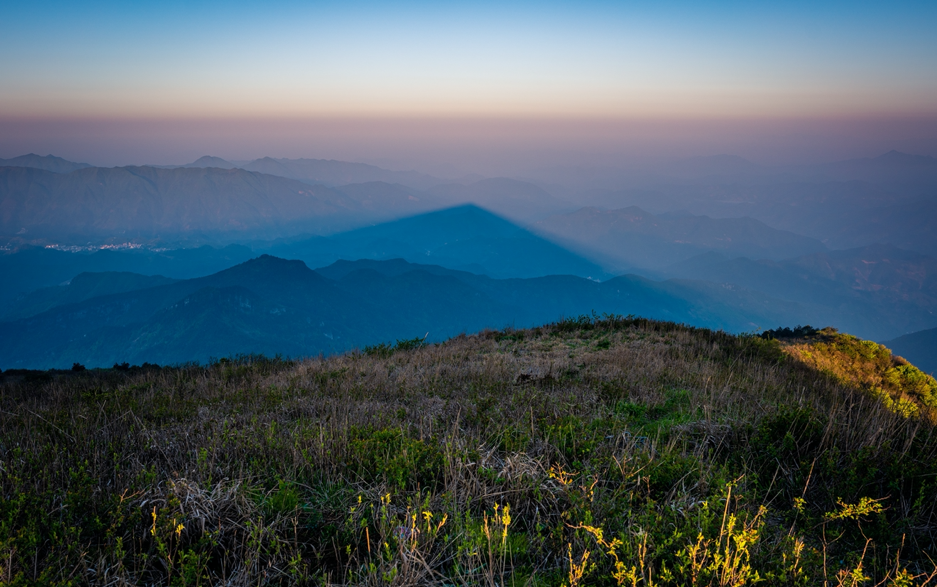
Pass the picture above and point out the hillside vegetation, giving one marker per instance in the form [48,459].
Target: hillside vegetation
[870,366]
[610,451]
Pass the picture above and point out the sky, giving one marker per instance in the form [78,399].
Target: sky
[442,83]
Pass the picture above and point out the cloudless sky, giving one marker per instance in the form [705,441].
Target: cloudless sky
[760,61]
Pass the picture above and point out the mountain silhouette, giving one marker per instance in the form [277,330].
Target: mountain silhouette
[271,305]
[82,287]
[209,161]
[33,268]
[150,201]
[336,173]
[47,163]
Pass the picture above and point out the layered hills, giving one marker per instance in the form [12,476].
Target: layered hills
[149,202]
[888,199]
[632,237]
[211,198]
[723,228]
[32,268]
[337,173]
[46,163]
[274,306]
[878,290]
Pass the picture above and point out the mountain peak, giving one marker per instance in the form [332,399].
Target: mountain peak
[270,261]
[210,161]
[46,163]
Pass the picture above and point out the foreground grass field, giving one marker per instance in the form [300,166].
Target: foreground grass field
[589,452]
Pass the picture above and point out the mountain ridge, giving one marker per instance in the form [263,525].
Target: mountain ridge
[267,299]
[46,163]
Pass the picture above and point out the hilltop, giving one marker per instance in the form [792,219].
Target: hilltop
[591,451]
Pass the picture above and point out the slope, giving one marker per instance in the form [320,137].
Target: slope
[80,288]
[464,237]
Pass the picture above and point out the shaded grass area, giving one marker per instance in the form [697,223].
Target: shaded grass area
[594,451]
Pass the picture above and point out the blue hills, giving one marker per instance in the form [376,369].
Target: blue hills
[276,306]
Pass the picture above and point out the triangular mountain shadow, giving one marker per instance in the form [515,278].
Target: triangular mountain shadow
[466,238]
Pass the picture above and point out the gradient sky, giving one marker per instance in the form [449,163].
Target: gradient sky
[77,67]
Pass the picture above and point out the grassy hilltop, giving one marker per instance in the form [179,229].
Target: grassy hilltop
[587,452]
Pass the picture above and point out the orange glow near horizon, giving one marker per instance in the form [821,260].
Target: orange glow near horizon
[597,60]
[458,145]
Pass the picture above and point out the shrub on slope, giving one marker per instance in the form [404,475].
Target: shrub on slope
[870,366]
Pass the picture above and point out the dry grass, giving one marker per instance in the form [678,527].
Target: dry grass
[490,459]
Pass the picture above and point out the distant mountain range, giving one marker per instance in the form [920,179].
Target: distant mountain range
[206,161]
[877,290]
[146,201]
[270,305]
[850,244]
[46,163]
[840,214]
[918,347]
[890,199]
[631,237]
[229,203]
[893,168]
[324,171]
[465,238]
[34,268]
